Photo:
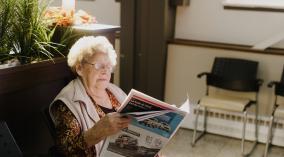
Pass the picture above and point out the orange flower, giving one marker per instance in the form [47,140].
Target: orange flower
[56,16]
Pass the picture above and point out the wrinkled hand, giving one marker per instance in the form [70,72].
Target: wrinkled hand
[108,125]
[113,122]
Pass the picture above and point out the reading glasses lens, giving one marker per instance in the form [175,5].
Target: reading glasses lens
[100,66]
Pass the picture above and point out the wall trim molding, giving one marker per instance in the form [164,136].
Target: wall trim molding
[226,46]
[253,9]
[258,5]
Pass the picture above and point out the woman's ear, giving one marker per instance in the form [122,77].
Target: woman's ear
[79,69]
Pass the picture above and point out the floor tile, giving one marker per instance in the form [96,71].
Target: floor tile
[213,146]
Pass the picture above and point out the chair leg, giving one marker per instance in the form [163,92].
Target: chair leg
[269,136]
[244,131]
[194,138]
[205,120]
[256,122]
[244,136]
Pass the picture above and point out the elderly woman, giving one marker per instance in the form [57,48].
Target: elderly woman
[84,111]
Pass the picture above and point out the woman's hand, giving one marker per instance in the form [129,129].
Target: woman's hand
[108,125]
[112,123]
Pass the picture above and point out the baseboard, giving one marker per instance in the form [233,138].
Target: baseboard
[230,124]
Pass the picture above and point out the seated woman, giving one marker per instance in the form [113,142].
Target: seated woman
[84,112]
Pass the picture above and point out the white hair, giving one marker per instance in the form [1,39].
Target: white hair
[88,46]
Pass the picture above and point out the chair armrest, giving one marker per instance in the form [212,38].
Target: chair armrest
[271,84]
[202,74]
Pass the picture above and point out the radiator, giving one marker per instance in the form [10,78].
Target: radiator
[230,124]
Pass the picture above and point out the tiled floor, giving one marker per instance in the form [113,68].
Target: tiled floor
[212,146]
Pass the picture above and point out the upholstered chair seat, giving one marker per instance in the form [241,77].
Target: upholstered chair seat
[224,102]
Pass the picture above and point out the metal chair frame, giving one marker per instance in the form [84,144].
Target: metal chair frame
[269,134]
[197,137]
[279,91]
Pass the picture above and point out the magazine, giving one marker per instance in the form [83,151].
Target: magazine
[153,124]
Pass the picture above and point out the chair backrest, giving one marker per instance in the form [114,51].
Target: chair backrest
[8,145]
[282,77]
[279,88]
[234,74]
[49,122]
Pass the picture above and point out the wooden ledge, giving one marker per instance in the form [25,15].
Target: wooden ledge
[244,48]
[253,9]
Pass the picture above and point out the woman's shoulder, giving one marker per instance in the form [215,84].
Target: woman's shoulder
[68,92]
[59,110]
[69,87]
[58,104]
[59,107]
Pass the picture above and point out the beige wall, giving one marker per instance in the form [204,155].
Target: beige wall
[185,62]
[207,20]
[116,78]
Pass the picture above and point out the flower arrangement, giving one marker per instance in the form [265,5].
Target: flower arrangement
[56,16]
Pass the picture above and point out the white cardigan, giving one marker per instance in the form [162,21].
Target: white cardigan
[76,99]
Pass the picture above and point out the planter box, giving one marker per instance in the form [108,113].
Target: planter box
[24,92]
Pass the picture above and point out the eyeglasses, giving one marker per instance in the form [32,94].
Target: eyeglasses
[101,66]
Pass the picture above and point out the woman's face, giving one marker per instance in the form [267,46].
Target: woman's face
[96,71]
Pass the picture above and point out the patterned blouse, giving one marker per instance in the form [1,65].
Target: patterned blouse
[70,140]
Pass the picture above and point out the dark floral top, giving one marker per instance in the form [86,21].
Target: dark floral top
[70,140]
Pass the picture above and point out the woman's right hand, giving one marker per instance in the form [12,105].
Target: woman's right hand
[108,125]
[112,123]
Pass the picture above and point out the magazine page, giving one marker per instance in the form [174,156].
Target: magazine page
[144,136]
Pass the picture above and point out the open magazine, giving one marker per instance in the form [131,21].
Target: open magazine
[153,124]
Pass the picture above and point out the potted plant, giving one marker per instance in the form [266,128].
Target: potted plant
[37,47]
[26,35]
[6,35]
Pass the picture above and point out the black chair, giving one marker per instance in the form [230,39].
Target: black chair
[8,145]
[53,151]
[49,122]
[232,86]
[278,108]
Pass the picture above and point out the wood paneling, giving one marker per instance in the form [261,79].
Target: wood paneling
[24,92]
[127,46]
[146,27]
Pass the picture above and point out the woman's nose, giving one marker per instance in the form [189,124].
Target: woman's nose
[104,71]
